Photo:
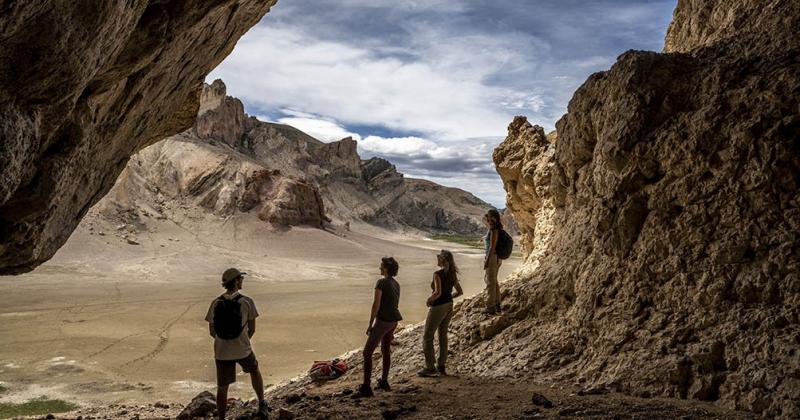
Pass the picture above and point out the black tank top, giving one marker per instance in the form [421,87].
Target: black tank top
[447,289]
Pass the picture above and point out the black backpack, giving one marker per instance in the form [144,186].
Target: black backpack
[228,318]
[504,245]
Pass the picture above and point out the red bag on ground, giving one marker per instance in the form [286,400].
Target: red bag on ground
[324,370]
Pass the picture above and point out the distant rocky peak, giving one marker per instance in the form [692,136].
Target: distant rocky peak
[220,117]
[212,96]
[346,148]
[373,167]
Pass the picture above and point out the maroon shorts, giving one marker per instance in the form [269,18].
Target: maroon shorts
[226,369]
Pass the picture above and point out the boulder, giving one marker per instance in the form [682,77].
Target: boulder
[201,406]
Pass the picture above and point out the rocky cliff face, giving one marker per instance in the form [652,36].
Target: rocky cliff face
[230,163]
[82,89]
[671,267]
[525,163]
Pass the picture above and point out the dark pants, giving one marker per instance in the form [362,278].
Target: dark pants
[226,369]
[382,332]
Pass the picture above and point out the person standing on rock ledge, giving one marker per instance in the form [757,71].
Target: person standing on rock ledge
[491,262]
[440,310]
[232,322]
[382,323]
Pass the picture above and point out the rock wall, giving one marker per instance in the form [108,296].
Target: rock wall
[672,266]
[525,163]
[82,88]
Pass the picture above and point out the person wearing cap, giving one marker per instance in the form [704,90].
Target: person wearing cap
[440,311]
[232,351]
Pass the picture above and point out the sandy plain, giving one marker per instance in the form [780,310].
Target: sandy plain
[107,321]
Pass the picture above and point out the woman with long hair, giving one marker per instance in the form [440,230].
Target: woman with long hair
[382,323]
[491,263]
[440,304]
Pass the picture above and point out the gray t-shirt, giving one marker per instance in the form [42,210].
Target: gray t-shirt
[390,298]
[238,348]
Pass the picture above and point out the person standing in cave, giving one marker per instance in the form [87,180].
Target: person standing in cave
[382,323]
[232,322]
[440,310]
[491,261]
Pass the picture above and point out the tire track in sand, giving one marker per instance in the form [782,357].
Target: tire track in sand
[163,340]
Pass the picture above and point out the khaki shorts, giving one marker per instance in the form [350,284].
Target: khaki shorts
[226,369]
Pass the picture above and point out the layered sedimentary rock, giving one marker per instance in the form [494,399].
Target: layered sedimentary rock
[229,163]
[184,177]
[82,88]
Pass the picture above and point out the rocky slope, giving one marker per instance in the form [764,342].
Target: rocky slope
[84,88]
[661,226]
[230,163]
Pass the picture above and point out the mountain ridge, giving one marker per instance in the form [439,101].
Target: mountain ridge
[230,162]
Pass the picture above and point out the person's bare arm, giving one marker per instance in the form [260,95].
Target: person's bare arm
[251,328]
[211,331]
[459,290]
[437,290]
[376,304]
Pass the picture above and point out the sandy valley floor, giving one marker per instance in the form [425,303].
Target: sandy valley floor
[108,321]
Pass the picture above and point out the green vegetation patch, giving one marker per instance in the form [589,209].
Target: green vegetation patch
[35,407]
[475,241]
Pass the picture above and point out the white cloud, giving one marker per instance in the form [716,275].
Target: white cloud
[442,95]
[321,129]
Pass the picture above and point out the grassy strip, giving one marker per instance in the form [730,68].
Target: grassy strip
[475,241]
[35,407]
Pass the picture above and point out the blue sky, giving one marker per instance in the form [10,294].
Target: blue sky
[432,85]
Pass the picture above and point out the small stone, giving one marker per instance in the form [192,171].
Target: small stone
[293,398]
[131,241]
[593,391]
[50,417]
[541,400]
[284,414]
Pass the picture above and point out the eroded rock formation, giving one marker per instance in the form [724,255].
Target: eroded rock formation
[82,88]
[672,265]
[230,163]
[525,163]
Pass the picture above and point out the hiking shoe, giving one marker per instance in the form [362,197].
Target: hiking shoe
[442,371]
[263,409]
[384,385]
[427,373]
[364,391]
